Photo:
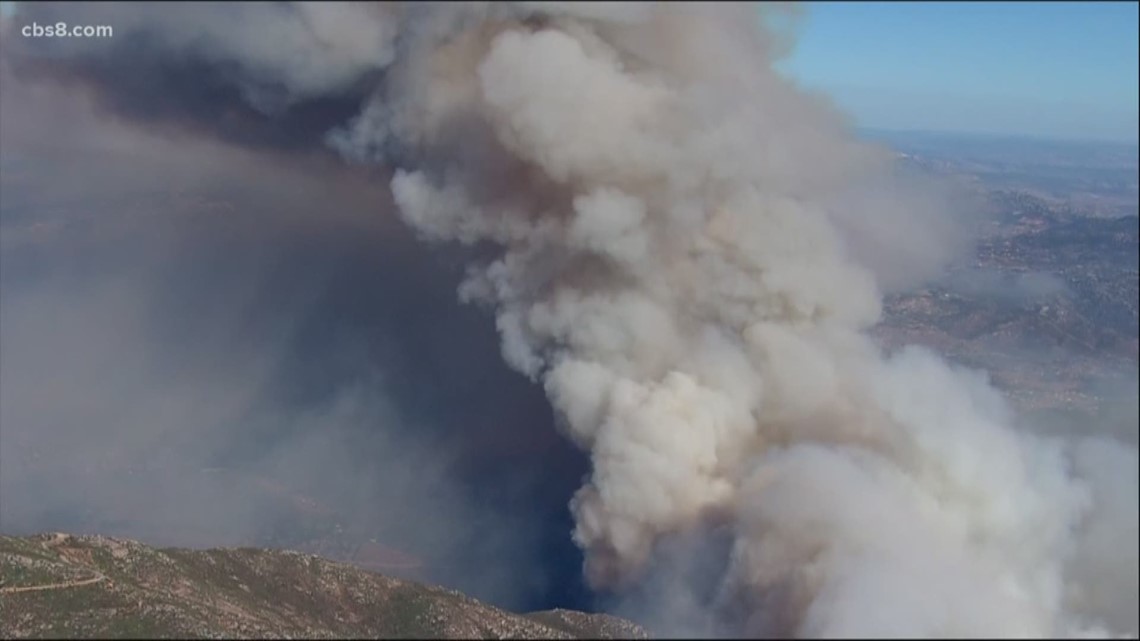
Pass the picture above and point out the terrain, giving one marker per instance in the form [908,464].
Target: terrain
[1046,303]
[58,585]
[1092,178]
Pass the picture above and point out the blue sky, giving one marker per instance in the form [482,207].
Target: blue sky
[1046,69]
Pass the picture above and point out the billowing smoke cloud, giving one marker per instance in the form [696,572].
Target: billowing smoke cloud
[273,75]
[209,344]
[677,269]
[685,252]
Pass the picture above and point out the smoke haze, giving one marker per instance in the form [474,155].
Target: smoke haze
[677,245]
[171,306]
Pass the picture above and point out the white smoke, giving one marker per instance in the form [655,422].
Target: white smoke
[687,251]
[683,265]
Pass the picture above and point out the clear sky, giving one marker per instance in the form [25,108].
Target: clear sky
[1048,69]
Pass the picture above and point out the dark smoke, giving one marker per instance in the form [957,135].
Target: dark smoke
[683,248]
[175,300]
[196,69]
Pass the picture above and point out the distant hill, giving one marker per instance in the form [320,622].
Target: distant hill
[1096,178]
[58,585]
[1048,305]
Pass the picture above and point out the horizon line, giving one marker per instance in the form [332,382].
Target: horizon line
[999,135]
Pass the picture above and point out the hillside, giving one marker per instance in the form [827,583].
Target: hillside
[1047,305]
[58,585]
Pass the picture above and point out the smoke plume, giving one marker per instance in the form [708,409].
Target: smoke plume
[685,251]
[206,342]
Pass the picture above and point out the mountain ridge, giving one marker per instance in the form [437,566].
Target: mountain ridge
[57,584]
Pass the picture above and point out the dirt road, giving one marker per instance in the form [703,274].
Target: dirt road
[56,540]
[53,586]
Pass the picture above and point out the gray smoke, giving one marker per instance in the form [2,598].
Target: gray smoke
[685,251]
[199,342]
[273,75]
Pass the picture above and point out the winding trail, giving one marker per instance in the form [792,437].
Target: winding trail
[55,541]
[53,586]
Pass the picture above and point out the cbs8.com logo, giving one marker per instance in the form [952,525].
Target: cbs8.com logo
[62,30]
